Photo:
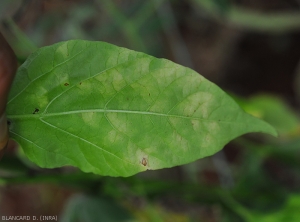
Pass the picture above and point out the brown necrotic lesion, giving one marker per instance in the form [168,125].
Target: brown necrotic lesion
[36,110]
[144,161]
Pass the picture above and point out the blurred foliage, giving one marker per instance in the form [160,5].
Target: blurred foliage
[265,169]
[274,111]
[89,209]
[222,10]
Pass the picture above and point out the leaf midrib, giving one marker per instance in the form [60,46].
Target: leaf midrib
[43,115]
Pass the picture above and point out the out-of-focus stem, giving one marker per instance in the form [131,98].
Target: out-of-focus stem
[276,22]
[19,41]
[170,29]
[125,23]
[8,67]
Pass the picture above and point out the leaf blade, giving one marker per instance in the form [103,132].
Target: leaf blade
[119,112]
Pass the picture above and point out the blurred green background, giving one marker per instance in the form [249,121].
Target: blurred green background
[251,49]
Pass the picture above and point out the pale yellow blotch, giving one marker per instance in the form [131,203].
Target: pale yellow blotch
[189,110]
[176,140]
[196,105]
[208,140]
[112,136]
[63,51]
[203,109]
[195,124]
[183,143]
[213,127]
[204,112]
[40,99]
[140,157]
[43,101]
[89,119]
[119,122]
[118,81]
[86,87]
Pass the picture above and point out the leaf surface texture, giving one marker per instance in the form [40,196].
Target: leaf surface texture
[113,111]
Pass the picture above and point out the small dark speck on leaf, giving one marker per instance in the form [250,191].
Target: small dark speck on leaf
[66,84]
[36,111]
[80,83]
[149,94]
[145,161]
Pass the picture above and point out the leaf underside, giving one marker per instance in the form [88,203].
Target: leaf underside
[114,111]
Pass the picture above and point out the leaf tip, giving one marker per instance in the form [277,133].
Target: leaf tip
[262,126]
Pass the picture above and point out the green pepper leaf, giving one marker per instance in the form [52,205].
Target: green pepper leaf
[114,111]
